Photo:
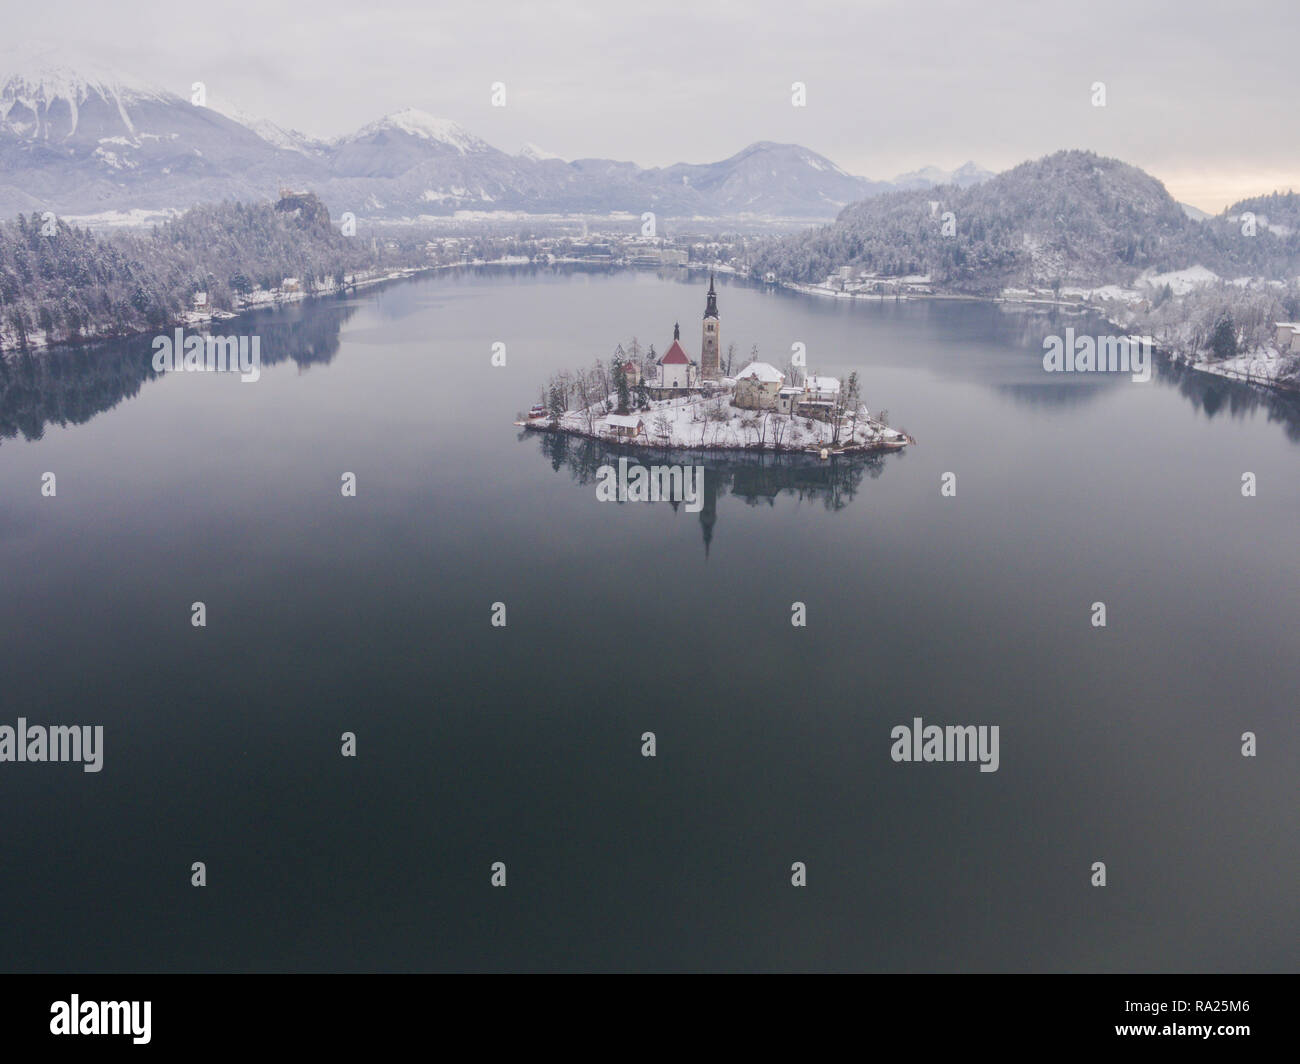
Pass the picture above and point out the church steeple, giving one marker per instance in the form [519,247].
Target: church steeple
[710,362]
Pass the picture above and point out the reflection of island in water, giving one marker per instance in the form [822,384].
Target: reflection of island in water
[70,386]
[754,478]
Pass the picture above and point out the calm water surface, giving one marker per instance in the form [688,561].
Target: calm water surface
[522,744]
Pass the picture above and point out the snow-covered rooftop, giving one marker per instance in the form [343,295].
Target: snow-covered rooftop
[764,372]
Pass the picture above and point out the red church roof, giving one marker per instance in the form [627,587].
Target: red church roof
[675,356]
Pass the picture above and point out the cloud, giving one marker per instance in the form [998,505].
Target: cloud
[891,85]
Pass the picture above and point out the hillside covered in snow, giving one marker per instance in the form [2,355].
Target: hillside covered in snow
[1072,218]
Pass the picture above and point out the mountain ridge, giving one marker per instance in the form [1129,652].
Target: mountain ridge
[84,141]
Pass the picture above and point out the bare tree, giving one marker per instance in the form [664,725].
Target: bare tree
[663,427]
[853,399]
[602,381]
[779,426]
[586,390]
[564,382]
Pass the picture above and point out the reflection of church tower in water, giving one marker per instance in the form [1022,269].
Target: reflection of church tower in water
[709,359]
[709,512]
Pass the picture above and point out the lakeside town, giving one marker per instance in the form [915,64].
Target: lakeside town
[675,401]
[1179,311]
[1242,328]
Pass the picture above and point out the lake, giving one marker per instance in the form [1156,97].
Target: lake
[523,744]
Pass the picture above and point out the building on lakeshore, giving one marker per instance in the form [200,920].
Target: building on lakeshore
[758,385]
[625,427]
[821,396]
[1288,336]
[787,398]
[821,389]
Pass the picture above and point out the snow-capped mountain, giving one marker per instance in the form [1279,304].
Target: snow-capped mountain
[424,127]
[48,100]
[400,141]
[74,140]
[77,140]
[536,154]
[773,179]
[276,135]
[930,176]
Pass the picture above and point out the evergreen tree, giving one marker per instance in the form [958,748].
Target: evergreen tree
[620,386]
[1223,340]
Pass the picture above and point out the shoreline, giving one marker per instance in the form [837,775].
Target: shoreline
[820,453]
[203,319]
[1168,354]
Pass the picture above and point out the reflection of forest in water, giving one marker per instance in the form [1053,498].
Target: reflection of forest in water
[1215,396]
[753,478]
[70,386]
[1212,395]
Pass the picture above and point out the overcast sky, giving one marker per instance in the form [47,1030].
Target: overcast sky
[1201,94]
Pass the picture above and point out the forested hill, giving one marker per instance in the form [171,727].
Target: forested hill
[59,284]
[1073,218]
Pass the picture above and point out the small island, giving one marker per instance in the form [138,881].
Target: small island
[676,403]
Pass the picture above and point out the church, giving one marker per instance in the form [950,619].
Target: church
[677,373]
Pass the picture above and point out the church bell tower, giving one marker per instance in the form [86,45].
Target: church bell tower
[709,358]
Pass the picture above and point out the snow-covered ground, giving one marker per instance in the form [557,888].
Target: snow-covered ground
[1265,366]
[138,218]
[1181,282]
[697,422]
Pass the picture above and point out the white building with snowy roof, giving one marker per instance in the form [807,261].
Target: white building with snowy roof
[1288,335]
[821,389]
[787,398]
[757,386]
[625,426]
